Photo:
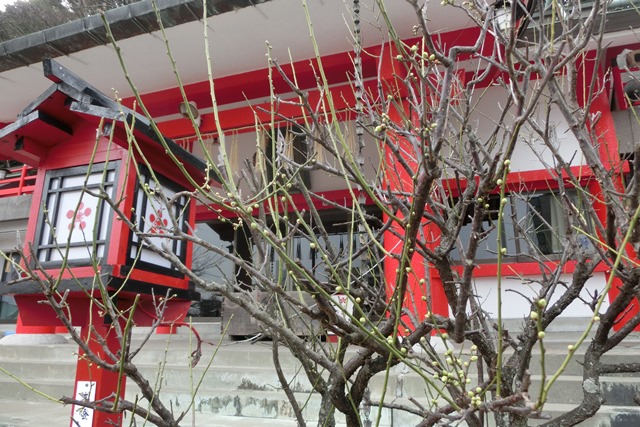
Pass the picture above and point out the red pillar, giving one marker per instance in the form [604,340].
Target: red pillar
[608,150]
[424,289]
[94,383]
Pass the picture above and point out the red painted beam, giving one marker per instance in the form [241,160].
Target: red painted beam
[255,84]
[245,117]
[338,69]
[215,212]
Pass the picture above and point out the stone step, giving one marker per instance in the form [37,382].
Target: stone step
[54,388]
[274,405]
[568,389]
[242,377]
[607,416]
[234,352]
[20,413]
[251,368]
[211,403]
[39,353]
[17,413]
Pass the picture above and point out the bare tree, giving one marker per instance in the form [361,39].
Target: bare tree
[431,158]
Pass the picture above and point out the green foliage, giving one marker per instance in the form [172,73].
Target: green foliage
[22,17]
[27,17]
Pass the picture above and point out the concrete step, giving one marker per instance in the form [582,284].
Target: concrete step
[54,388]
[17,413]
[177,367]
[620,390]
[607,416]
[211,402]
[241,380]
[274,405]
[252,369]
[270,402]
[20,413]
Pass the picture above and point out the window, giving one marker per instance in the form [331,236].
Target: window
[488,248]
[8,307]
[75,224]
[533,224]
[346,239]
[546,222]
[154,217]
[9,271]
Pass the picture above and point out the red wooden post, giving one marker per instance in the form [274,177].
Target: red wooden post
[94,383]
[417,299]
[607,143]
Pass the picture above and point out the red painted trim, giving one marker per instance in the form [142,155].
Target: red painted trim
[21,328]
[215,212]
[240,120]
[105,382]
[533,180]
[34,212]
[255,84]
[248,116]
[157,157]
[418,280]
[337,67]
[155,278]
[19,185]
[613,52]
[632,309]
[607,144]
[521,268]
[600,105]
[120,232]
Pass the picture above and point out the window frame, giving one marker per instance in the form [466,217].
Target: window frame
[53,191]
[517,220]
[182,208]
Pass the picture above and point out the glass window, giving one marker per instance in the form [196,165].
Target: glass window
[533,224]
[9,271]
[546,225]
[8,308]
[346,240]
[488,247]
[212,267]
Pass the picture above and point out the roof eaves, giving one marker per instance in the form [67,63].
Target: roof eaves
[125,22]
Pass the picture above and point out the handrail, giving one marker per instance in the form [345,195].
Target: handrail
[18,181]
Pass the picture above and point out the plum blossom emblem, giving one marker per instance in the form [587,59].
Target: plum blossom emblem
[78,217]
[158,223]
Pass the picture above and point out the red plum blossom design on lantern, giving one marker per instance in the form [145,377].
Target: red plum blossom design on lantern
[78,217]
[157,223]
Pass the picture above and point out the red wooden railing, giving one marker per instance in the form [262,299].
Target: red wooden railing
[17,182]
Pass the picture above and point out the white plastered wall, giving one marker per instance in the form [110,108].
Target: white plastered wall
[530,153]
[515,292]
